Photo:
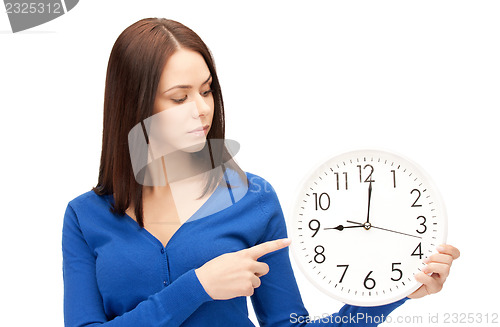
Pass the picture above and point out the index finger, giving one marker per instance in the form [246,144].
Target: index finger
[259,250]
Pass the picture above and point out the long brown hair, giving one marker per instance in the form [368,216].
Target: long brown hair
[134,69]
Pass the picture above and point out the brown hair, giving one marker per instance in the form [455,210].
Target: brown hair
[134,69]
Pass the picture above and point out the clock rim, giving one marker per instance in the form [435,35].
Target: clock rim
[373,302]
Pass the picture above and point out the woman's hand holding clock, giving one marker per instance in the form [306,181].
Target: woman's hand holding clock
[237,273]
[436,271]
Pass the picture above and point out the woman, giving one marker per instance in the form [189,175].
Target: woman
[136,251]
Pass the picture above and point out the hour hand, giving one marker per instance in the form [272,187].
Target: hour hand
[341,227]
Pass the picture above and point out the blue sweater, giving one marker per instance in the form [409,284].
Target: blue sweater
[118,274]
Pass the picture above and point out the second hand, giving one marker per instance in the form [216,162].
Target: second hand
[393,231]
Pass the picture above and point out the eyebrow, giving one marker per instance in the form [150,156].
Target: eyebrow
[188,86]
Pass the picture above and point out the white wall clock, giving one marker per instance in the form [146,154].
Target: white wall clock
[363,222]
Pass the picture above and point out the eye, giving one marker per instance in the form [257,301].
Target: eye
[207,93]
[180,100]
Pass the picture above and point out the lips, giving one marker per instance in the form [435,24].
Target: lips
[200,129]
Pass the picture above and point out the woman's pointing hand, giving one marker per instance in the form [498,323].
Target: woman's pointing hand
[237,273]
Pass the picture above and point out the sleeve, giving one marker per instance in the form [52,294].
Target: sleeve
[83,305]
[277,301]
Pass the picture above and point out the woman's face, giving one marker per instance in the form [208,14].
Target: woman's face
[184,104]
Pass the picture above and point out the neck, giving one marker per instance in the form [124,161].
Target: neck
[175,167]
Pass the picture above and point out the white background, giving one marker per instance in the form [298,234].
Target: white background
[301,82]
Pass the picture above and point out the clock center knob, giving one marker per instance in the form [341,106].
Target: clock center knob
[367,226]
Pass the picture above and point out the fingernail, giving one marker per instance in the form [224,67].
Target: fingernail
[286,241]
[426,260]
[440,248]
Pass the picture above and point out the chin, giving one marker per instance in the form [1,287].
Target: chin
[196,147]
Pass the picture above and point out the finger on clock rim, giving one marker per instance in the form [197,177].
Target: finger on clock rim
[440,258]
[432,285]
[438,268]
[423,278]
[449,249]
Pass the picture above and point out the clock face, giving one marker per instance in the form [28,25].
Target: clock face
[362,224]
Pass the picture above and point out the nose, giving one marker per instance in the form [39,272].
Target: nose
[202,107]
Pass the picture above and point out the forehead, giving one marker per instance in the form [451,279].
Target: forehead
[184,67]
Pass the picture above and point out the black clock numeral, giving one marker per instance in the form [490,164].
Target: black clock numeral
[418,197]
[369,177]
[393,177]
[419,249]
[313,228]
[398,270]
[422,224]
[338,180]
[319,257]
[371,280]
[345,270]
[322,201]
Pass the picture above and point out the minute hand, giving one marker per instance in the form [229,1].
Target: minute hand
[393,231]
[369,200]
